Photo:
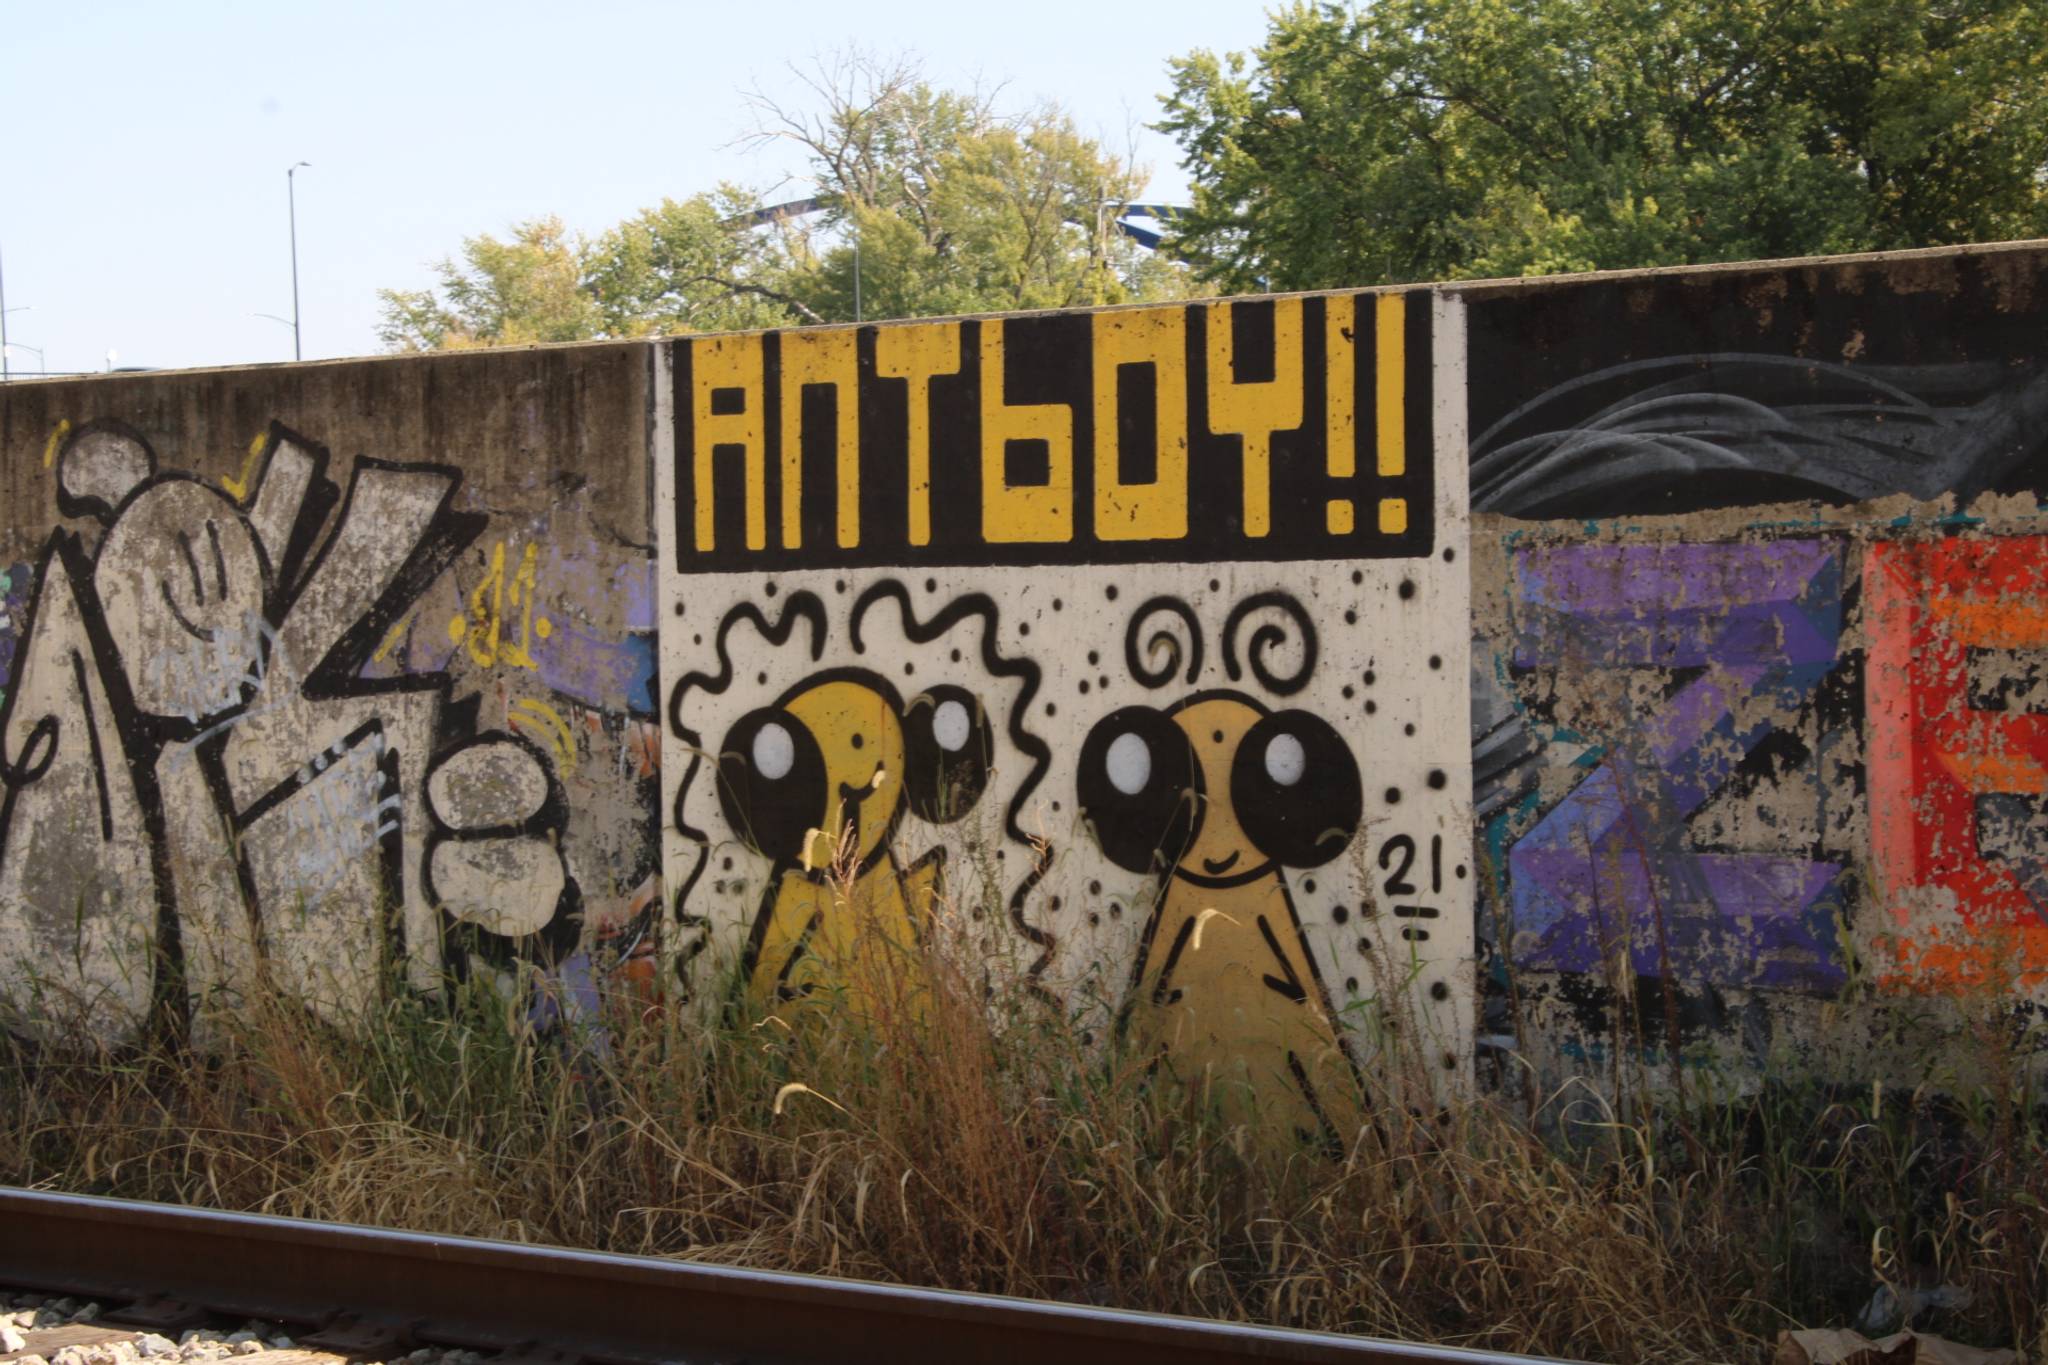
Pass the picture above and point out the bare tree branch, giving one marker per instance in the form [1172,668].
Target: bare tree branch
[759,291]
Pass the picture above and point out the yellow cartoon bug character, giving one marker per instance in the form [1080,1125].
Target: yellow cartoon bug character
[817,782]
[1217,795]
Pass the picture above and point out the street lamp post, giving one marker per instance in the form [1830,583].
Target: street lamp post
[4,311]
[292,203]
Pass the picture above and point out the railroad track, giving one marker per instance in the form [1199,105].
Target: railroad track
[374,1294]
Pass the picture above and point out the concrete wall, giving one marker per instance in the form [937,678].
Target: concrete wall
[338,672]
[1121,650]
[1759,658]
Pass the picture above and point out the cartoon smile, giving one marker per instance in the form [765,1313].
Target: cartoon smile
[851,797]
[196,632]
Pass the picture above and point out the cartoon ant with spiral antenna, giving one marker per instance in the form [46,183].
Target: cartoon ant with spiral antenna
[1218,794]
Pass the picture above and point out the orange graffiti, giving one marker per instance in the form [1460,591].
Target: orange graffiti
[1965,920]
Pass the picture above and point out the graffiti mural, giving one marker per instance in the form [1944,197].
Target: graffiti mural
[1740,638]
[1717,429]
[1215,795]
[1117,639]
[1959,757]
[831,794]
[1184,668]
[1753,721]
[202,787]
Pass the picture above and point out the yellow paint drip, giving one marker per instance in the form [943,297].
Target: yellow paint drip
[238,487]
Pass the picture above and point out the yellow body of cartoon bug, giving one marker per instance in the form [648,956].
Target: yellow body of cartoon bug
[819,782]
[1216,795]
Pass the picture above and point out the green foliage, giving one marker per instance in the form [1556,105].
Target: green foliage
[677,267]
[942,203]
[685,267]
[1419,139]
[955,207]
[505,293]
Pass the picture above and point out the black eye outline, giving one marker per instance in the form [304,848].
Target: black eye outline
[941,785]
[1306,822]
[772,815]
[1150,829]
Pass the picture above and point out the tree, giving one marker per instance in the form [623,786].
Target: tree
[688,266]
[505,293]
[944,204]
[955,207]
[1419,139]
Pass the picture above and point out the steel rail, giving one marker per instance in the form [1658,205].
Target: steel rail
[600,1306]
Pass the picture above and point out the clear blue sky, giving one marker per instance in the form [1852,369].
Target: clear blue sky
[142,185]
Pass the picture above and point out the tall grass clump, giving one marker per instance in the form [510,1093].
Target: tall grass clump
[928,1127]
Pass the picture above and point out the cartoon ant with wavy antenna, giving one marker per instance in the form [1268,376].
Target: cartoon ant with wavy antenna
[1217,794]
[820,779]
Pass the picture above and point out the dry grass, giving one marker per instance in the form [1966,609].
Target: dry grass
[950,1142]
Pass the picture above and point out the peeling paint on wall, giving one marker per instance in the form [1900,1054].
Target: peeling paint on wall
[240,738]
[200,789]
[1733,633]
[1959,757]
[1754,718]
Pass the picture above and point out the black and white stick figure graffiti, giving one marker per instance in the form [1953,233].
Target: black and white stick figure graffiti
[198,787]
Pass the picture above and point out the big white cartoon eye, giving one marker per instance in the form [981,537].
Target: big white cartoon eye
[948,751]
[1285,759]
[1128,764]
[1140,787]
[774,751]
[1295,788]
[952,725]
[771,782]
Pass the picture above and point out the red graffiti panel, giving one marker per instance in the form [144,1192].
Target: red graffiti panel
[1952,756]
